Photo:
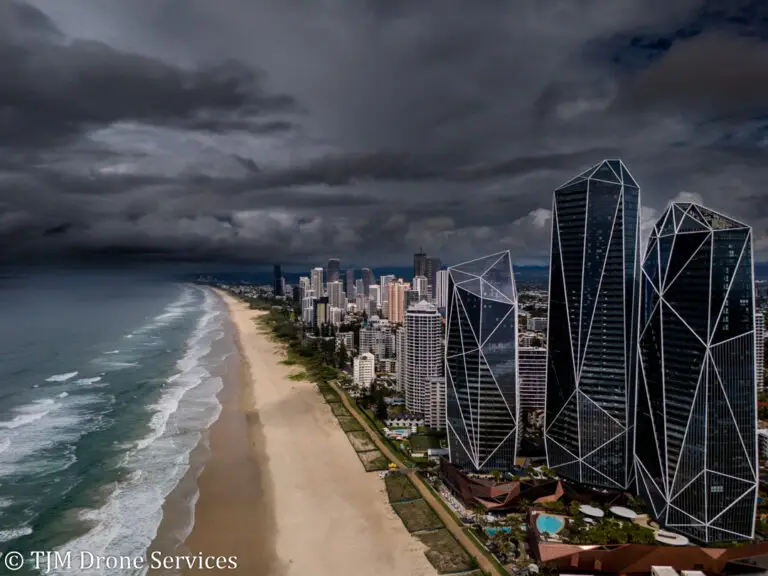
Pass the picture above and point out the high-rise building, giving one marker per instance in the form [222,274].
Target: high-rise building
[359,288]
[423,353]
[591,337]
[308,306]
[537,324]
[363,369]
[433,266]
[349,286]
[481,364]
[434,416]
[305,284]
[760,349]
[532,374]
[277,280]
[420,264]
[384,281]
[396,301]
[317,282]
[696,431]
[420,285]
[374,291]
[441,289]
[333,270]
[368,280]
[336,295]
[321,311]
[400,358]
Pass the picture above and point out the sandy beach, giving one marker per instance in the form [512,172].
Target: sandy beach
[293,498]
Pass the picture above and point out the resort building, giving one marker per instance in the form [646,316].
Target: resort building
[435,403]
[423,353]
[363,369]
[591,336]
[696,447]
[481,364]
[532,374]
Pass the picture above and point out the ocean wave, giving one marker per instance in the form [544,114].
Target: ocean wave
[13,533]
[62,377]
[5,443]
[172,312]
[30,413]
[112,352]
[86,381]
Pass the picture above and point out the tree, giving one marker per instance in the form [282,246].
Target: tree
[497,475]
[342,356]
[381,409]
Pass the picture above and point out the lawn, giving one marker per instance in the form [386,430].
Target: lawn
[329,394]
[445,553]
[298,376]
[339,409]
[348,423]
[373,460]
[422,443]
[417,516]
[361,441]
[400,487]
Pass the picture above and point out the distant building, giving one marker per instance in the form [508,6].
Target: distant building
[336,316]
[374,292]
[420,285]
[360,289]
[296,293]
[363,368]
[423,353]
[317,282]
[333,270]
[532,375]
[441,290]
[321,312]
[336,295]
[433,267]
[305,285]
[349,285]
[348,338]
[400,355]
[368,280]
[388,365]
[537,324]
[396,301]
[277,280]
[434,415]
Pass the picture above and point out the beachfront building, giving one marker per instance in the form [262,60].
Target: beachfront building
[482,401]
[592,327]
[423,353]
[532,373]
[434,415]
[363,369]
[696,436]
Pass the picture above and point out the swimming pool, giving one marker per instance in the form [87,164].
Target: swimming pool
[492,531]
[549,524]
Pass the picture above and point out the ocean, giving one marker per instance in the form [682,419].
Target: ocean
[107,383]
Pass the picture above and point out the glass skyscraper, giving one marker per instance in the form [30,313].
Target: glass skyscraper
[481,364]
[591,342]
[696,434]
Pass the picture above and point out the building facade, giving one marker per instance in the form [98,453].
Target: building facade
[349,284]
[433,266]
[368,280]
[591,335]
[434,416]
[277,280]
[321,311]
[696,437]
[532,372]
[336,295]
[363,369]
[317,282]
[420,285]
[400,358]
[423,353]
[420,260]
[482,401]
[333,270]
[760,349]
[396,301]
[441,289]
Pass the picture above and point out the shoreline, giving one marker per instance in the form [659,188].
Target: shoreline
[330,516]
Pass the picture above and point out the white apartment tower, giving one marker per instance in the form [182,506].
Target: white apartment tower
[317,281]
[441,290]
[336,296]
[436,397]
[374,292]
[421,285]
[363,368]
[423,353]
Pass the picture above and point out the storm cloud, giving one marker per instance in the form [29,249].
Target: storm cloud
[267,130]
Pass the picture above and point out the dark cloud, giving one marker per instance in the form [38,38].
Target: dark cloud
[262,130]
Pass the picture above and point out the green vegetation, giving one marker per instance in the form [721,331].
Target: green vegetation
[288,362]
[330,395]
[606,531]
[348,423]
[417,515]
[445,553]
[420,443]
[373,460]
[400,487]
[298,376]
[361,441]
[556,506]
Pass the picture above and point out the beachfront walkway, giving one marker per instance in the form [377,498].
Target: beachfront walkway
[449,521]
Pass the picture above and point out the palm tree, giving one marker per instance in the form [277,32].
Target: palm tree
[479,512]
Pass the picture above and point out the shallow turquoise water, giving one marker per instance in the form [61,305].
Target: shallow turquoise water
[549,524]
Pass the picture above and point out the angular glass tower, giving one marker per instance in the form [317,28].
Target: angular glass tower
[481,364]
[696,434]
[591,339]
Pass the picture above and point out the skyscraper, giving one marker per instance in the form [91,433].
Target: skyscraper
[592,327]
[532,371]
[423,353]
[396,299]
[433,266]
[481,364]
[420,264]
[441,289]
[277,280]
[317,281]
[374,291]
[400,358]
[333,270]
[349,287]
[336,296]
[420,285]
[760,349]
[368,279]
[696,436]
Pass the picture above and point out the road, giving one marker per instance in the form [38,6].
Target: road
[450,522]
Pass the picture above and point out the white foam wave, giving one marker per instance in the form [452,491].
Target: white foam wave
[112,352]
[30,413]
[63,395]
[172,312]
[86,381]
[62,377]
[12,534]
[5,443]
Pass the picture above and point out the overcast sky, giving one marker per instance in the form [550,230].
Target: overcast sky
[296,130]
